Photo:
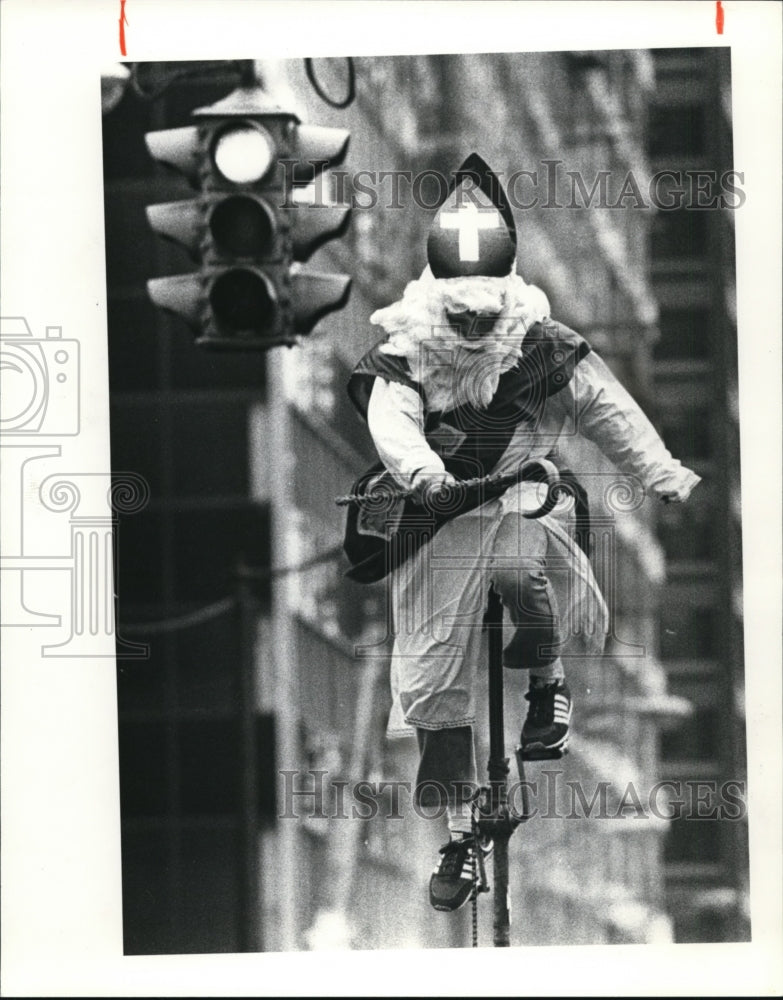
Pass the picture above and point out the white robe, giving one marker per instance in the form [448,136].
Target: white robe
[439,593]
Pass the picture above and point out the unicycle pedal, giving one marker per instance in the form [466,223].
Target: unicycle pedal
[539,752]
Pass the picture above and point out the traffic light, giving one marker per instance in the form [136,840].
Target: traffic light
[249,229]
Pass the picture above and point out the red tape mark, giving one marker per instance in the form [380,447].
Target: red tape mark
[718,16]
[124,21]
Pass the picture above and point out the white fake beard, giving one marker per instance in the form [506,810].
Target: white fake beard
[451,370]
[463,372]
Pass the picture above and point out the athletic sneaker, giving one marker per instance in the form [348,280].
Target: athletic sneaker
[545,732]
[452,881]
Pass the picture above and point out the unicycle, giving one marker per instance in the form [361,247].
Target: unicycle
[493,818]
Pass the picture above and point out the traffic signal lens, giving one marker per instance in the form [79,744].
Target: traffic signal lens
[242,227]
[243,154]
[243,303]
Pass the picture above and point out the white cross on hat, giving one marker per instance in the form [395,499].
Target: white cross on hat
[468,219]
[473,233]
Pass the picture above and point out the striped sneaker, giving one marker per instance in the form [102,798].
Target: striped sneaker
[452,881]
[545,732]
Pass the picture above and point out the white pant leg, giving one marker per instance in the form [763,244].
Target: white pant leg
[439,596]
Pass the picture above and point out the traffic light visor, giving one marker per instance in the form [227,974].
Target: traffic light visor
[177,149]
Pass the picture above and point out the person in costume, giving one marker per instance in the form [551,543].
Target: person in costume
[473,377]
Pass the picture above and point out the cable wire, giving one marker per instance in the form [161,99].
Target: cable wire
[226,604]
[272,572]
[351,91]
[205,614]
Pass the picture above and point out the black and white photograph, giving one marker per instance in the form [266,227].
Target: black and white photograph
[419,563]
[560,221]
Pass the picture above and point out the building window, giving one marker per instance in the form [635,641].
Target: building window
[697,738]
[685,334]
[691,840]
[687,534]
[688,433]
[677,131]
[687,530]
[682,65]
[680,234]
[688,633]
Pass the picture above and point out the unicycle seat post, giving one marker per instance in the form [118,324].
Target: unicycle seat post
[497,766]
[495,819]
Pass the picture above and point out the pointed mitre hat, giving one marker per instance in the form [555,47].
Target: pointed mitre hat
[473,232]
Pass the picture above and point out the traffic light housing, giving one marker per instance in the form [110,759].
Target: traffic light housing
[249,229]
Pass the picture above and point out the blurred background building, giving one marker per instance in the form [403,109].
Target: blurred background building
[695,377]
[255,673]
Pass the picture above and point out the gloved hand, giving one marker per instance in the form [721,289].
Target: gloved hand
[426,484]
[674,496]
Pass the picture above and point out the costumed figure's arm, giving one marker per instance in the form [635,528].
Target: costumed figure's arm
[395,417]
[609,417]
